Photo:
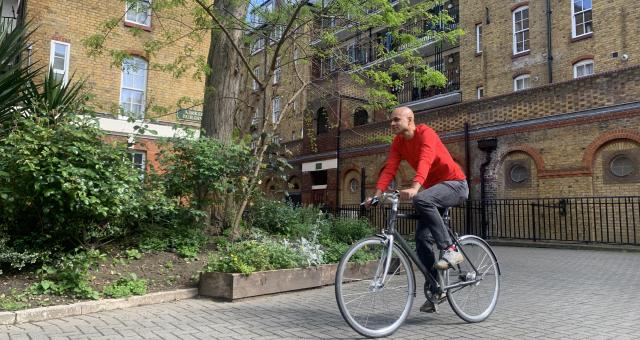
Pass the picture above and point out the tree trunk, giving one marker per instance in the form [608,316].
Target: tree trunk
[226,81]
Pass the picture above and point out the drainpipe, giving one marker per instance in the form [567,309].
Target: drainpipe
[467,161]
[487,146]
[338,153]
[549,54]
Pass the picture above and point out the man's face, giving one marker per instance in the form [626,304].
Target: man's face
[399,122]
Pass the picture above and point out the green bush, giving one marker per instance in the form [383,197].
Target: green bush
[62,186]
[282,218]
[125,287]
[69,275]
[349,230]
[250,256]
[333,252]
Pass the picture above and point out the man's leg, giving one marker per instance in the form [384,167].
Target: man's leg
[429,202]
[424,248]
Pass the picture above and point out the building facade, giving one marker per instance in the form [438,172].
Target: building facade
[546,106]
[133,89]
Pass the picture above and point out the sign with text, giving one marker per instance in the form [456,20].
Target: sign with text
[192,115]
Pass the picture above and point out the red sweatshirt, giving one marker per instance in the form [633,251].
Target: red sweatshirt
[427,156]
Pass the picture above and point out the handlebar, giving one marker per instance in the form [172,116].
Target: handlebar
[375,200]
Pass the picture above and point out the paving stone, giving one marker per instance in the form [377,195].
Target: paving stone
[546,294]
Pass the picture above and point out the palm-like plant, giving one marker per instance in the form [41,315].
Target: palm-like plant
[15,75]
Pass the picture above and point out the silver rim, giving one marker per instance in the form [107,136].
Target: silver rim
[373,307]
[474,302]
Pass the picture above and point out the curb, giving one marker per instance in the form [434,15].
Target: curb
[87,307]
[564,245]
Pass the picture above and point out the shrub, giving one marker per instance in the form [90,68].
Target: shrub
[348,230]
[282,218]
[69,275]
[250,256]
[62,186]
[125,287]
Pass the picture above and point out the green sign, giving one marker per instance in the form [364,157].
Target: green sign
[186,114]
[318,166]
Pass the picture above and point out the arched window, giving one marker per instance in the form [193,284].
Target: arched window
[322,121]
[360,117]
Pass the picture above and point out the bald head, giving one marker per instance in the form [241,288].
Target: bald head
[404,112]
[402,121]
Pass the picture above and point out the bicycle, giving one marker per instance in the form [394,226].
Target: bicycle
[383,264]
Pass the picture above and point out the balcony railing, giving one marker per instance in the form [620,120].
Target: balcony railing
[410,92]
[8,23]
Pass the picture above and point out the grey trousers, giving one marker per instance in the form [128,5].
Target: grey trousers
[430,204]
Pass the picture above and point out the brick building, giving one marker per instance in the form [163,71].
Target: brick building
[134,89]
[538,112]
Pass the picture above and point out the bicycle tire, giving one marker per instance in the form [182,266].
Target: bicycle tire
[485,292]
[374,324]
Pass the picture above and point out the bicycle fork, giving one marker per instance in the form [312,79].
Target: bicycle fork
[383,266]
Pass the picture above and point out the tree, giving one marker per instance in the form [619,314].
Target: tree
[301,33]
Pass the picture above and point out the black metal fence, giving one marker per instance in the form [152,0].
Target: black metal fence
[612,220]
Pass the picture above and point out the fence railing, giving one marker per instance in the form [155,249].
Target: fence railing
[612,220]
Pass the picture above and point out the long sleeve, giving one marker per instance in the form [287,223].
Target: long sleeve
[425,159]
[390,167]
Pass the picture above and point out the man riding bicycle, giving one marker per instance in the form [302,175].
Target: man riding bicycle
[444,184]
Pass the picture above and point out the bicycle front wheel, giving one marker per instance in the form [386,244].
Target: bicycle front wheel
[475,293]
[374,303]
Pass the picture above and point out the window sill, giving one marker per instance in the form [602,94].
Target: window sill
[521,54]
[582,37]
[142,27]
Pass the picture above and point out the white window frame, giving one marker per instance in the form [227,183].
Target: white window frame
[258,72]
[143,89]
[276,34]
[479,92]
[275,109]
[521,77]
[135,7]
[573,19]
[522,32]
[277,72]
[583,63]
[479,38]
[67,56]
[143,165]
[257,46]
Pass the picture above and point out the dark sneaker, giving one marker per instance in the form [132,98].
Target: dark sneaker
[449,259]
[430,307]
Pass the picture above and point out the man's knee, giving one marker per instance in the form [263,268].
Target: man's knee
[423,200]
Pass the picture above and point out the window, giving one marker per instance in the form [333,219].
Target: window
[139,12]
[583,68]
[351,53]
[275,113]
[621,166]
[521,82]
[257,46]
[581,18]
[139,161]
[479,38]
[521,30]
[479,92]
[59,60]
[322,121]
[277,73]
[354,185]
[360,117]
[277,33]
[133,87]
[258,72]
[518,173]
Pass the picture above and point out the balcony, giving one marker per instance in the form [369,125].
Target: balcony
[411,95]
[8,24]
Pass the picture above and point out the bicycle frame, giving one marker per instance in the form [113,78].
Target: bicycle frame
[391,236]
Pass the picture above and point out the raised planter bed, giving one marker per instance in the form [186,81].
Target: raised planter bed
[231,286]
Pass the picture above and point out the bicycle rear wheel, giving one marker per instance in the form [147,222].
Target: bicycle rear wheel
[474,302]
[372,303]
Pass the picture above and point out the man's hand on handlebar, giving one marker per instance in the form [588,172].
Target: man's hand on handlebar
[372,200]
